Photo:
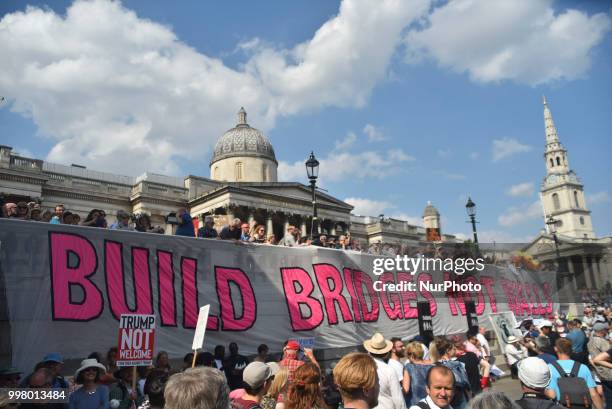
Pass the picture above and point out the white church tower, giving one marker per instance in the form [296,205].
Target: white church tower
[562,193]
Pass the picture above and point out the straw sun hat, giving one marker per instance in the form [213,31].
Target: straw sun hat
[377,345]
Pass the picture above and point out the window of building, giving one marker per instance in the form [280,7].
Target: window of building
[556,202]
[582,220]
[552,163]
[264,172]
[216,173]
[558,161]
[576,199]
[238,172]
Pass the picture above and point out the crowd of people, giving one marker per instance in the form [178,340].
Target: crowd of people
[449,372]
[236,230]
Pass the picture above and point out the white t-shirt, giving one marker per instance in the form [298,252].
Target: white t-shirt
[485,344]
[398,368]
[431,404]
[390,395]
[515,354]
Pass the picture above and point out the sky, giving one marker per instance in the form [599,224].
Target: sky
[403,102]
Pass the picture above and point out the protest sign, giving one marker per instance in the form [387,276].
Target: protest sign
[472,317]
[505,326]
[198,338]
[136,340]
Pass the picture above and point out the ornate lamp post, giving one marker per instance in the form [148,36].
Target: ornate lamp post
[312,169]
[470,207]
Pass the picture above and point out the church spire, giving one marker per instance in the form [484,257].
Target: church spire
[551,130]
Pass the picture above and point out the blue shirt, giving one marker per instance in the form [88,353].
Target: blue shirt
[578,340]
[567,365]
[185,227]
[82,399]
[548,358]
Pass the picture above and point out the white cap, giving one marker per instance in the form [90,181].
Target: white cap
[533,372]
[544,323]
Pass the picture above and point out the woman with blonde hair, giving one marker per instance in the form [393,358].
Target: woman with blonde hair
[415,374]
[258,234]
[274,399]
[305,390]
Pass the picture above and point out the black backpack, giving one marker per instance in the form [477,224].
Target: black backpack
[574,390]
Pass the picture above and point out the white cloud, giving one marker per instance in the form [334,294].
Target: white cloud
[453,176]
[505,147]
[598,198]
[521,190]
[474,155]
[344,165]
[23,152]
[108,86]
[367,207]
[521,214]
[461,236]
[398,155]
[444,153]
[374,134]
[500,236]
[346,142]
[415,221]
[519,40]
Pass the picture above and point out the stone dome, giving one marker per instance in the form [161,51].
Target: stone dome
[430,210]
[243,140]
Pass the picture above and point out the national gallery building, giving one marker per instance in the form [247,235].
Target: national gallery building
[243,183]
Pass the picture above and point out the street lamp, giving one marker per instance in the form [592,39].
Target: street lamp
[470,207]
[312,169]
[551,222]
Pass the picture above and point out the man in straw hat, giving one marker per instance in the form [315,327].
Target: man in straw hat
[534,375]
[390,396]
[514,353]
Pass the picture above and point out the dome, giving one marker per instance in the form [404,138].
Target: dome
[243,140]
[430,211]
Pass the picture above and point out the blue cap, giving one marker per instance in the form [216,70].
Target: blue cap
[53,357]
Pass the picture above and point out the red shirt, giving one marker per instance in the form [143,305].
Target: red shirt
[291,364]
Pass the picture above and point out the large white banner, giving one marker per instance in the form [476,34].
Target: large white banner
[65,288]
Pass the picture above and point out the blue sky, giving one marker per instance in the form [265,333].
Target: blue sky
[404,102]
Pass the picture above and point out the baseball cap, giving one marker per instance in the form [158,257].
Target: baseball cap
[600,326]
[534,372]
[544,323]
[293,345]
[256,373]
[53,357]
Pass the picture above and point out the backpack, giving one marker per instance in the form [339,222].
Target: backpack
[574,390]
[462,383]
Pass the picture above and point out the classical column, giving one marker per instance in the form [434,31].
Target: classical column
[303,230]
[587,274]
[332,230]
[572,274]
[229,215]
[201,220]
[285,225]
[250,218]
[269,225]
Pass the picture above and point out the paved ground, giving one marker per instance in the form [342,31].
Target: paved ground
[509,386]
